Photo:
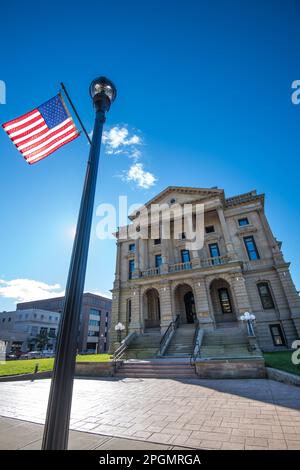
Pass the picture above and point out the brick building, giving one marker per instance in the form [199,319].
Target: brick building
[95,319]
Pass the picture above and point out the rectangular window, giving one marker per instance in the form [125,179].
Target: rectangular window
[214,253]
[158,261]
[132,247]
[244,221]
[129,310]
[52,332]
[225,300]
[94,311]
[34,330]
[130,268]
[251,248]
[209,229]
[185,256]
[157,241]
[277,335]
[93,333]
[265,295]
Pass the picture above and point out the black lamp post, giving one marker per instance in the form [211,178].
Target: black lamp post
[56,432]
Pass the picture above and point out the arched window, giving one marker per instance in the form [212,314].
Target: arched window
[265,295]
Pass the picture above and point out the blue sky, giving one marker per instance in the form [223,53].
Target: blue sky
[204,85]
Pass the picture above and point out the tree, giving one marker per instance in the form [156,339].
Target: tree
[42,339]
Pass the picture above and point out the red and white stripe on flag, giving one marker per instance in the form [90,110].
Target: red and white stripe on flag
[40,132]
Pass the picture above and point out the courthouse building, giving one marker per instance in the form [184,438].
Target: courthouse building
[239,269]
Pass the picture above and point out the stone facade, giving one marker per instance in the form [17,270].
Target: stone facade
[239,268]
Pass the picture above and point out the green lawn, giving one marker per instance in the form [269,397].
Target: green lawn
[282,360]
[27,366]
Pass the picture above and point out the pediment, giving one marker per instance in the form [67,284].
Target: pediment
[183,195]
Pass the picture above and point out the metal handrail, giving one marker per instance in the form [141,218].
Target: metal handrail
[194,354]
[172,326]
[118,354]
[120,351]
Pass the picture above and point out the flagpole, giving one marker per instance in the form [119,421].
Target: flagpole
[75,112]
[56,431]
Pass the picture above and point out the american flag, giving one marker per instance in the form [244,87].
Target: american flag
[40,132]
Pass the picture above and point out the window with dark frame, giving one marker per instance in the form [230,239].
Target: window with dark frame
[225,300]
[244,221]
[158,261]
[132,247]
[214,253]
[265,296]
[251,248]
[157,241]
[130,268]
[209,229]
[185,256]
[277,335]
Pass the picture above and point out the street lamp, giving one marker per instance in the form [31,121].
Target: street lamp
[119,328]
[56,432]
[249,318]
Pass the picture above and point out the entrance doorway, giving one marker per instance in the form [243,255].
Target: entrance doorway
[190,310]
[152,309]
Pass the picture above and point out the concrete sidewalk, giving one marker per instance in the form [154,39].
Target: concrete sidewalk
[23,435]
[203,414]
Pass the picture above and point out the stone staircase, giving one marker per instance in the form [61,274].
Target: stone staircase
[181,344]
[165,368]
[144,346]
[226,342]
[225,353]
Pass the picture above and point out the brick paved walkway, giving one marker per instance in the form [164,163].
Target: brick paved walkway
[212,414]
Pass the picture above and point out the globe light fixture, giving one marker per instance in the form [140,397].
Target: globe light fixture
[119,328]
[101,88]
[249,318]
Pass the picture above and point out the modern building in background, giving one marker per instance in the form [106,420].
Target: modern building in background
[240,268]
[93,335]
[21,329]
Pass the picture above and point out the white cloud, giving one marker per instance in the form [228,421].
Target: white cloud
[96,292]
[24,290]
[119,140]
[136,173]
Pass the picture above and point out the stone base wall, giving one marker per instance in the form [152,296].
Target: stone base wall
[231,369]
[94,369]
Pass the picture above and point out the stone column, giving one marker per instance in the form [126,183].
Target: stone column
[137,271]
[115,309]
[292,297]
[118,261]
[195,259]
[136,323]
[227,238]
[267,230]
[165,256]
[201,294]
[165,302]
[143,246]
[242,302]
